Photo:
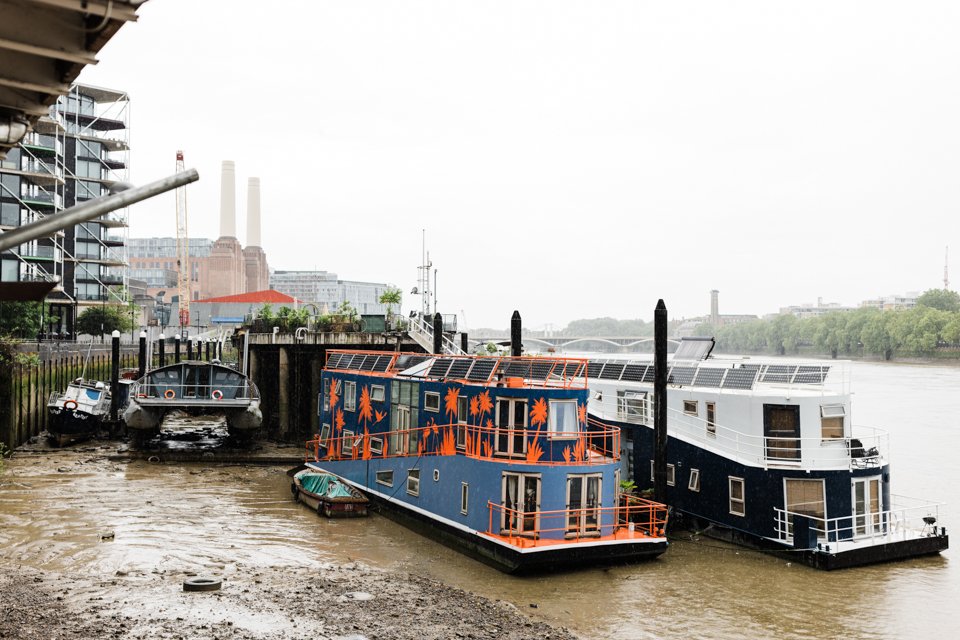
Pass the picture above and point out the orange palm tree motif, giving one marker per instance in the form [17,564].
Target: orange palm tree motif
[448,446]
[367,454]
[582,413]
[534,451]
[338,421]
[450,402]
[366,409]
[334,398]
[380,416]
[484,402]
[538,417]
[474,407]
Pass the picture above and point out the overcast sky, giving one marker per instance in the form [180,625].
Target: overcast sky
[567,159]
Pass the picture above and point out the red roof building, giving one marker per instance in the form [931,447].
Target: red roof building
[267,296]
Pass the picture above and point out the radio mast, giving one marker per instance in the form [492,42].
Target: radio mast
[183,251]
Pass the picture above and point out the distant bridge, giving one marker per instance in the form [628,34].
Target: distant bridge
[567,342]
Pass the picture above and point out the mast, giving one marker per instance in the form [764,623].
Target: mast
[183,252]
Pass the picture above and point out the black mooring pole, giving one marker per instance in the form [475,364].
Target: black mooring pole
[142,365]
[190,349]
[115,376]
[464,343]
[208,351]
[163,353]
[176,348]
[437,333]
[220,349]
[660,402]
[516,341]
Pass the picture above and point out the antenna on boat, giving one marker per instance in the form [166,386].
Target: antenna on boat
[424,278]
[83,371]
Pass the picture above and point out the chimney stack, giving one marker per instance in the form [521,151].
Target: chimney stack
[253,212]
[228,196]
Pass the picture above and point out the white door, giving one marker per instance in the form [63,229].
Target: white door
[866,506]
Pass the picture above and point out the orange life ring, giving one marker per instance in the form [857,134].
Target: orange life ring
[217,394]
[69,405]
[169,394]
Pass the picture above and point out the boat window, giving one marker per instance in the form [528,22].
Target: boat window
[324,434]
[377,393]
[563,419]
[632,406]
[346,445]
[520,496]
[694,483]
[804,497]
[413,482]
[583,504]
[350,396]
[436,475]
[690,407]
[511,426]
[653,473]
[711,418]
[464,497]
[431,401]
[385,477]
[376,445]
[671,475]
[737,501]
[463,408]
[831,421]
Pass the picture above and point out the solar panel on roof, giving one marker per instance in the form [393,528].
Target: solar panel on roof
[778,373]
[518,369]
[633,372]
[708,377]
[681,375]
[346,362]
[694,349]
[740,378]
[595,368]
[612,371]
[459,368]
[811,374]
[382,363]
[439,368]
[368,362]
[650,374]
[540,370]
[481,369]
[333,360]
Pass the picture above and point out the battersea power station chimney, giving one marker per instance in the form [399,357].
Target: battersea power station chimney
[256,270]
[228,200]
[253,212]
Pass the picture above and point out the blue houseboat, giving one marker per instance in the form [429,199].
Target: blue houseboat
[764,453]
[494,456]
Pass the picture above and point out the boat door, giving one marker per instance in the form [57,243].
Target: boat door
[583,502]
[866,506]
[521,503]
[781,431]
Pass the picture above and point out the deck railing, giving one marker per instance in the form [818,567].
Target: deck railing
[213,393]
[909,518]
[865,447]
[511,446]
[636,516]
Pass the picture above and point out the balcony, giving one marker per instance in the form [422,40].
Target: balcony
[28,252]
[113,220]
[40,199]
[114,240]
[40,144]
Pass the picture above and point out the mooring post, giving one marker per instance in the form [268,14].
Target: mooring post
[142,365]
[437,333]
[163,354]
[115,376]
[516,340]
[176,348]
[660,402]
[220,349]
[208,351]
[190,349]
[464,343]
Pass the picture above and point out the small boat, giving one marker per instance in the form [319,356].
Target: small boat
[195,387]
[328,494]
[78,412]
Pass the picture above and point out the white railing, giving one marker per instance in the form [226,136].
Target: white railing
[865,447]
[908,519]
[421,330]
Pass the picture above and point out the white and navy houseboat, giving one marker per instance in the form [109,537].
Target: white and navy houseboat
[494,456]
[764,453]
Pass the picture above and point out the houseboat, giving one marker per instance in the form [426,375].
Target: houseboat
[77,412]
[196,387]
[493,456]
[764,453]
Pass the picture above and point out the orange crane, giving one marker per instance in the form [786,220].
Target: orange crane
[183,251]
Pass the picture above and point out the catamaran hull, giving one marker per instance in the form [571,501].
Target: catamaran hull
[139,417]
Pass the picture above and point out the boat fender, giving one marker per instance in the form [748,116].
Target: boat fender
[201,584]
[69,405]
[169,394]
[217,394]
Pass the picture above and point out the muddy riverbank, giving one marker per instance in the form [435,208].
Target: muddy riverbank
[98,547]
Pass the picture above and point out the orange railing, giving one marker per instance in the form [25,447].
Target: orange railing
[600,445]
[522,371]
[633,516]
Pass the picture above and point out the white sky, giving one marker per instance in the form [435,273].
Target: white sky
[567,159]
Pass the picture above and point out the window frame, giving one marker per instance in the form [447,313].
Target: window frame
[742,500]
[691,407]
[841,416]
[413,482]
[562,435]
[375,390]
[711,418]
[693,484]
[430,396]
[343,443]
[384,481]
[376,445]
[464,498]
[671,475]
[349,395]
[324,434]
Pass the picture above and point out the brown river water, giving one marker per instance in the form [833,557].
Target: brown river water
[228,519]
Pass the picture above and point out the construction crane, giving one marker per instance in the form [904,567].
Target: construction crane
[183,251]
